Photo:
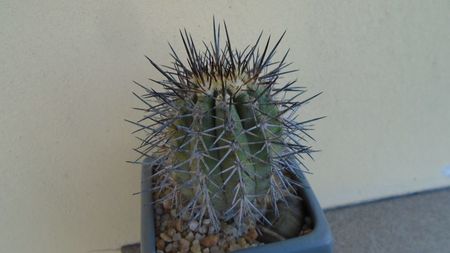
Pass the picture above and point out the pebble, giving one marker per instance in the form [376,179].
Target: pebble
[184,245]
[176,237]
[195,248]
[163,224]
[211,230]
[242,242]
[165,237]
[209,241]
[169,247]
[233,247]
[222,242]
[183,235]
[229,230]
[160,244]
[215,249]
[193,225]
[202,229]
[167,204]
[171,232]
[185,217]
[178,225]
[251,235]
[198,236]
[190,236]
[231,239]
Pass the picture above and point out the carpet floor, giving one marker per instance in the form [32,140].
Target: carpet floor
[418,223]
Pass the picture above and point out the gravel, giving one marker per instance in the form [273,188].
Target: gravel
[181,235]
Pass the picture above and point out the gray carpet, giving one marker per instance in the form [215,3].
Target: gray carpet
[418,223]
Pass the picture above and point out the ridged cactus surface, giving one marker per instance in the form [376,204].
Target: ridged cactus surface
[223,131]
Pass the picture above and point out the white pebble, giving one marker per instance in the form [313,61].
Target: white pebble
[193,225]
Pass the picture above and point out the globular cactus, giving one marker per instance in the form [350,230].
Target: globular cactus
[223,132]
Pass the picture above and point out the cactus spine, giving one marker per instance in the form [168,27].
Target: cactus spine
[224,132]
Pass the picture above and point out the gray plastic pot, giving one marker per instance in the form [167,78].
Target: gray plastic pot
[319,240]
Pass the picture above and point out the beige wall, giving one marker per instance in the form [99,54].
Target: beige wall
[65,75]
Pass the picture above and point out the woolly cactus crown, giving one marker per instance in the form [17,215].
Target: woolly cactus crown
[224,132]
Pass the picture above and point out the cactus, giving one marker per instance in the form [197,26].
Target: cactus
[224,131]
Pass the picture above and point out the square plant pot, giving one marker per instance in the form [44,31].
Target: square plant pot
[319,240]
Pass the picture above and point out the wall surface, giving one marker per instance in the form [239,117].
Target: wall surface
[65,75]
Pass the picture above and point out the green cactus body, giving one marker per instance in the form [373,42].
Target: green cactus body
[224,138]
[231,138]
[259,152]
[236,168]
